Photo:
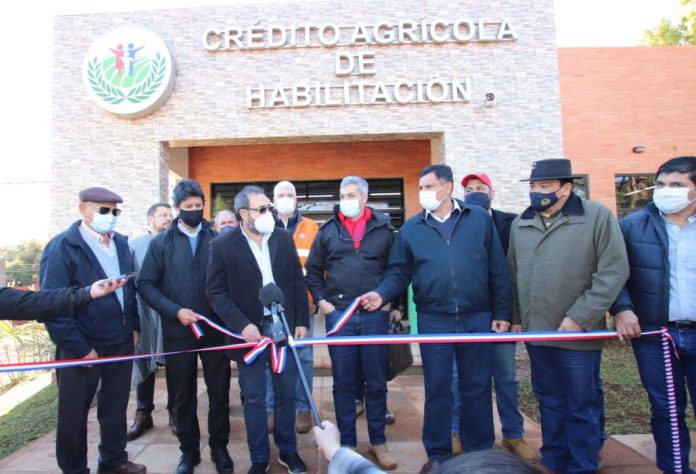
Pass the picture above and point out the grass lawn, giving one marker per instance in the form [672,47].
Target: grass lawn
[626,403]
[29,420]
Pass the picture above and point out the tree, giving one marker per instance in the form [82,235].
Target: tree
[23,262]
[668,33]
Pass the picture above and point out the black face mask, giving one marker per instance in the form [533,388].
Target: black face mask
[191,218]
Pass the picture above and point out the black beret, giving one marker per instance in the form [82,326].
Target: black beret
[99,195]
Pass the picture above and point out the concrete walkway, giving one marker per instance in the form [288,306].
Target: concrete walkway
[158,448]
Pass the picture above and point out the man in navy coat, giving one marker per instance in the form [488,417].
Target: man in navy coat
[87,251]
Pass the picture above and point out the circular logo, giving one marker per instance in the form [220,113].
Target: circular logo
[129,72]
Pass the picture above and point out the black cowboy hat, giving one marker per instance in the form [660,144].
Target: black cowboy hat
[552,168]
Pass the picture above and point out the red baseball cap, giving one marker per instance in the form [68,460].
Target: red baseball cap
[480,176]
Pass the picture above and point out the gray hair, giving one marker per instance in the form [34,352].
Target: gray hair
[282,185]
[359,182]
[219,215]
[241,200]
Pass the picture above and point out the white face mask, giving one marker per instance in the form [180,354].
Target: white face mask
[265,223]
[103,223]
[672,200]
[429,200]
[285,206]
[350,207]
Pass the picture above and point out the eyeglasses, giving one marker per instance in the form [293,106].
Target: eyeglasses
[262,209]
[106,210]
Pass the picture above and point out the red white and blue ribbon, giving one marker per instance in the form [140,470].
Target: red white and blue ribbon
[345,316]
[667,345]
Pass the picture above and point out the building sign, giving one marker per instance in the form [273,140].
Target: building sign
[360,91]
[129,72]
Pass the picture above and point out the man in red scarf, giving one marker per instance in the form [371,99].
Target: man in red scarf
[348,258]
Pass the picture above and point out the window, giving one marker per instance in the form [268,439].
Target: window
[633,192]
[581,186]
[316,199]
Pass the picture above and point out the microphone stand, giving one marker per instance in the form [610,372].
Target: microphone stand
[278,309]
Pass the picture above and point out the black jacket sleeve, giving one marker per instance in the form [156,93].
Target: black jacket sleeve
[40,305]
[299,289]
[149,279]
[315,267]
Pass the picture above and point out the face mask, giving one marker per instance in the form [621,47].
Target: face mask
[191,218]
[478,199]
[672,200]
[226,229]
[103,223]
[265,223]
[429,200]
[542,201]
[285,206]
[350,207]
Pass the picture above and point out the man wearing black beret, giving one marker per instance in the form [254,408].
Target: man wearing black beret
[87,251]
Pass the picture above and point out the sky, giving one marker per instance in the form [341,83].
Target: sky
[26,36]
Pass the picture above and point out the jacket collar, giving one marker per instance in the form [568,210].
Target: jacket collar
[73,236]
[174,229]
[572,207]
[378,219]
[242,244]
[463,208]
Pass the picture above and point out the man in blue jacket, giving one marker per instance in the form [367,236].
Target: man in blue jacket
[452,254]
[89,250]
[661,291]
[172,282]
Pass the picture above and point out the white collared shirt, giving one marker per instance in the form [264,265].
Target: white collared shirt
[455,205]
[263,259]
[89,233]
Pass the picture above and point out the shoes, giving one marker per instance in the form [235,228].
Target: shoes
[269,416]
[389,418]
[258,468]
[384,458]
[519,447]
[187,462]
[456,444]
[172,421]
[303,422]
[429,466]
[293,462]
[359,408]
[125,468]
[222,460]
[141,423]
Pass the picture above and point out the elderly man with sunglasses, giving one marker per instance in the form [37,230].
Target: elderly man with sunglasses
[87,251]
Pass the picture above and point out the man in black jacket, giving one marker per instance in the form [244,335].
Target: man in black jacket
[20,305]
[478,191]
[451,253]
[241,263]
[90,250]
[348,257]
[172,281]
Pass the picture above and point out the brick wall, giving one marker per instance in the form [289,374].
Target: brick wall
[308,161]
[613,99]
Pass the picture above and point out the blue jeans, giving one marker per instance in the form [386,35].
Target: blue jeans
[649,355]
[565,384]
[474,364]
[306,354]
[506,391]
[374,366]
[252,382]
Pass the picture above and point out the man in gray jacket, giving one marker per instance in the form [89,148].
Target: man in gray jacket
[568,263]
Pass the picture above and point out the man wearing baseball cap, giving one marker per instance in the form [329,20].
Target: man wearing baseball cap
[478,191]
[87,251]
[568,263]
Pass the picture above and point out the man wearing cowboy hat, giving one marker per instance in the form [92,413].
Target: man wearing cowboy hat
[568,263]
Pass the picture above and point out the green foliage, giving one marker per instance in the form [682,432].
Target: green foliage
[219,203]
[21,343]
[668,33]
[28,421]
[23,262]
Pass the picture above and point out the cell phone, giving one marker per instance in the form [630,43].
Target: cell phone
[125,275]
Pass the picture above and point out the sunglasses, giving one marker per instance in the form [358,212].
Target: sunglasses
[106,210]
[262,209]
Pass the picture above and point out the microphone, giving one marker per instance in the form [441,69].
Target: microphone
[272,297]
[271,293]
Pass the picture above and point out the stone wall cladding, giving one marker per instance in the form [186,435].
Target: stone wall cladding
[91,147]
